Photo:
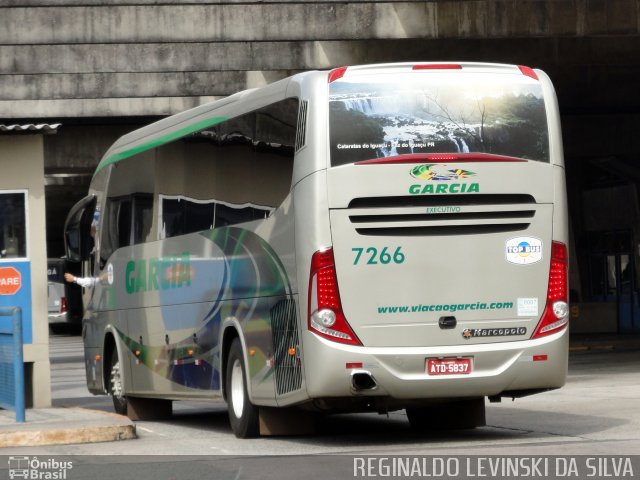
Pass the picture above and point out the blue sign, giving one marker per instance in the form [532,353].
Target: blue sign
[15,291]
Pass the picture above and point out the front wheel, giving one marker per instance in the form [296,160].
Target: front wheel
[116,387]
[243,416]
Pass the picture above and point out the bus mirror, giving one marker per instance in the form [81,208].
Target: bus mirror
[78,235]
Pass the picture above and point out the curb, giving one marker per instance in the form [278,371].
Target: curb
[101,427]
[66,437]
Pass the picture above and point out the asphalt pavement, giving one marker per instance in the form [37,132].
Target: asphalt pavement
[63,425]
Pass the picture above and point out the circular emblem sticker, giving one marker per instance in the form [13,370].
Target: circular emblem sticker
[110,274]
[523,250]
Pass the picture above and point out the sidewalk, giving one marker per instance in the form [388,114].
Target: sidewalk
[58,426]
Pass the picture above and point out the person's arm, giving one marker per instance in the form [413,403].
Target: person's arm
[82,281]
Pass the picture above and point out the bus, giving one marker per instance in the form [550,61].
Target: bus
[366,239]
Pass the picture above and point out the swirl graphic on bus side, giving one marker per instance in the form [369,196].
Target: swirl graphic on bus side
[254,279]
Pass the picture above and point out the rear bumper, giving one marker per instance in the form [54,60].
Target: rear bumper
[58,318]
[401,373]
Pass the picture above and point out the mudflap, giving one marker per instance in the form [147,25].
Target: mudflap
[286,421]
[148,408]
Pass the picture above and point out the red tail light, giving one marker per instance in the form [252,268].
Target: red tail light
[337,73]
[556,311]
[325,309]
[63,304]
[528,71]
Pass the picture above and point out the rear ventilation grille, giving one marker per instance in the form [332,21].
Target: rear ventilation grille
[442,215]
[436,200]
[430,217]
[442,230]
[301,132]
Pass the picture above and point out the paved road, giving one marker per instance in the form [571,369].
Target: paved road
[596,413]
[68,384]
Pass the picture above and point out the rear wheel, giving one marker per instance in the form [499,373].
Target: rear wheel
[456,414]
[243,416]
[116,387]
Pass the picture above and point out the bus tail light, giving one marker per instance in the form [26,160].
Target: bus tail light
[556,311]
[63,304]
[325,309]
[337,74]
[528,71]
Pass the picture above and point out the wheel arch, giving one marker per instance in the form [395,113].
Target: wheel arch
[230,332]
[110,345]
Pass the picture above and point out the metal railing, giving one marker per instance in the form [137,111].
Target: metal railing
[12,394]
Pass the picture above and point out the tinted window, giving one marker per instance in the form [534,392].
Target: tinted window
[128,221]
[233,172]
[13,236]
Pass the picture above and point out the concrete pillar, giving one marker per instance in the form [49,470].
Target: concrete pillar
[22,170]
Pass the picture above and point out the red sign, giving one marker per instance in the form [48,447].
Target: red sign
[10,281]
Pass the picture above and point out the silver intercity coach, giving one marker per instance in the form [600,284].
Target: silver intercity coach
[370,238]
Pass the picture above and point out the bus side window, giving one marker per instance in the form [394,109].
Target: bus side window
[128,222]
[234,172]
[123,226]
[274,143]
[142,217]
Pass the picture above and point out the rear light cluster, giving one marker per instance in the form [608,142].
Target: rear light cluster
[556,312]
[325,309]
[337,74]
[528,71]
[63,304]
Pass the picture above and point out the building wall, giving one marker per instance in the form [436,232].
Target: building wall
[90,58]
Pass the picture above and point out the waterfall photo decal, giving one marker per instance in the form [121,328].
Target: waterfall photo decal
[381,116]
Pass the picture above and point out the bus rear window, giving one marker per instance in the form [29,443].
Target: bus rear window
[395,114]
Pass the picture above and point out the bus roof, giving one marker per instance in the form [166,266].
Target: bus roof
[190,121]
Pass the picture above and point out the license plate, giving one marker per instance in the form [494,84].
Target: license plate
[448,366]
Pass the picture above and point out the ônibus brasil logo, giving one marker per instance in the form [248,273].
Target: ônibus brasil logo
[441,173]
[33,468]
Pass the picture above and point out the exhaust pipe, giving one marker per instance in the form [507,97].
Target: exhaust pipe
[362,380]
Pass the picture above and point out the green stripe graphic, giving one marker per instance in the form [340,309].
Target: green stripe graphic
[170,137]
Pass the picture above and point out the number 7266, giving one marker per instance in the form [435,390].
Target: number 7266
[374,257]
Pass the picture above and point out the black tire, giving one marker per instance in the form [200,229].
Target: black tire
[58,329]
[115,388]
[243,416]
[453,415]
